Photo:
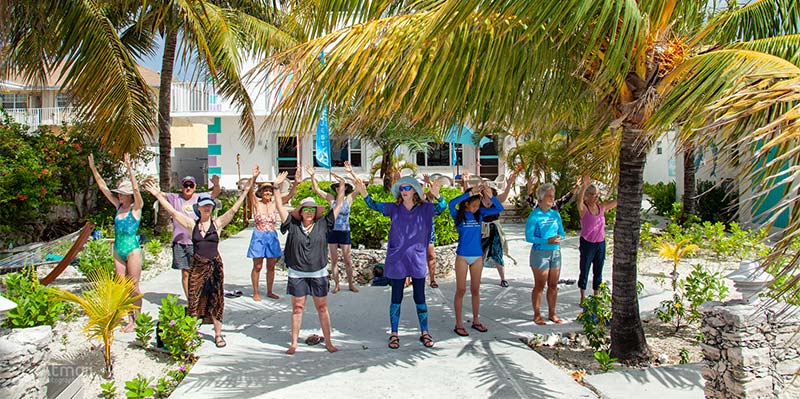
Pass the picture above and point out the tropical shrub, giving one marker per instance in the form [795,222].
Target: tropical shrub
[107,302]
[139,388]
[698,287]
[153,248]
[144,328]
[661,196]
[595,317]
[605,360]
[717,202]
[36,305]
[237,224]
[95,259]
[178,331]
[108,390]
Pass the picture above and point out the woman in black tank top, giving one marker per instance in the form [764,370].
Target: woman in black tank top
[206,273]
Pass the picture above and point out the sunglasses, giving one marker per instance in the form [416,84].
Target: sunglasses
[309,210]
[405,188]
[188,185]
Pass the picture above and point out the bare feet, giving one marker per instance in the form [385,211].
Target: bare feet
[292,349]
[257,297]
[556,319]
[335,289]
[353,288]
[539,320]
[329,346]
[273,295]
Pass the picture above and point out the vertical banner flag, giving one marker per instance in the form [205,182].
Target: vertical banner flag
[323,144]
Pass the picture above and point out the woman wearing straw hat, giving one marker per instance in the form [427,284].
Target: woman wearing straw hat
[206,272]
[406,255]
[339,237]
[128,202]
[264,241]
[306,255]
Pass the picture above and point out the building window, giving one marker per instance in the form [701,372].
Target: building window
[15,101]
[63,100]
[287,155]
[342,150]
[441,154]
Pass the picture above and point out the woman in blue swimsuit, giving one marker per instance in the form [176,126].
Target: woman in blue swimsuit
[127,199]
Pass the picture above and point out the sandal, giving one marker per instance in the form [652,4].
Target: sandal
[556,319]
[434,284]
[394,342]
[314,339]
[480,327]
[426,340]
[504,283]
[219,341]
[539,320]
[461,331]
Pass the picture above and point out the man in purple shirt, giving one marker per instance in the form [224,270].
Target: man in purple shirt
[182,250]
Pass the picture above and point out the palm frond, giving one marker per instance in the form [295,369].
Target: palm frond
[786,47]
[757,20]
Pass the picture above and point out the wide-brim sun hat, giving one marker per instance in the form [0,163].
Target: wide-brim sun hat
[348,188]
[406,181]
[263,188]
[202,200]
[124,187]
[307,203]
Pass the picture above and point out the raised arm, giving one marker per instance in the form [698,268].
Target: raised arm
[609,205]
[217,188]
[251,193]
[226,218]
[138,203]
[298,176]
[464,180]
[585,182]
[496,209]
[180,217]
[328,197]
[509,183]
[101,184]
[279,205]
[371,204]
[457,200]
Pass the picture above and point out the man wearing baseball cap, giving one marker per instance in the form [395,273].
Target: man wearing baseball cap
[182,249]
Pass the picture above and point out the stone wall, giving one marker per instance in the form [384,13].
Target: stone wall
[24,356]
[365,259]
[751,350]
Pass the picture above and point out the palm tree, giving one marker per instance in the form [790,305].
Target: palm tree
[78,42]
[217,35]
[106,303]
[635,68]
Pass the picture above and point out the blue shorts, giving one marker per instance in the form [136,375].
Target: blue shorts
[264,244]
[341,237]
[545,260]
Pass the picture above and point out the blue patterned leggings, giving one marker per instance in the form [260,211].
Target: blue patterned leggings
[419,299]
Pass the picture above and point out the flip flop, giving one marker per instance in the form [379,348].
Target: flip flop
[314,339]
[461,331]
[556,319]
[540,321]
[504,283]
[480,327]
[434,285]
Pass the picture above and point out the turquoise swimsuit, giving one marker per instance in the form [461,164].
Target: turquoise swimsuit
[126,240]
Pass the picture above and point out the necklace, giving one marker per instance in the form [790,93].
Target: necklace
[203,230]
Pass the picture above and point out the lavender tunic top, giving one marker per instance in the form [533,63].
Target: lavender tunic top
[409,235]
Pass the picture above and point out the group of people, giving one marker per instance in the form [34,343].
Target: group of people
[312,232]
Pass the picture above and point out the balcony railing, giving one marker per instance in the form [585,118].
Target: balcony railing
[34,117]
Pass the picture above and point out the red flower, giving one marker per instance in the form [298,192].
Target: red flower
[44,191]
[45,171]
[60,142]
[77,146]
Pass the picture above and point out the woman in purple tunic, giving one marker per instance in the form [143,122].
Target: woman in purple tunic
[406,255]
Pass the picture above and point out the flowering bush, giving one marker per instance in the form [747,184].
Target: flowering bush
[177,330]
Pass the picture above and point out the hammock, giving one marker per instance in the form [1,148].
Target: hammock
[40,254]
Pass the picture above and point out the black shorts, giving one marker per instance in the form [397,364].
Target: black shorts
[339,237]
[314,286]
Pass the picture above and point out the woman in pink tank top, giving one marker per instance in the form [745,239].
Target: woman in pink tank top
[593,234]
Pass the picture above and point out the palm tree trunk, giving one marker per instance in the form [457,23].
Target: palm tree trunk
[164,108]
[689,184]
[627,334]
[386,166]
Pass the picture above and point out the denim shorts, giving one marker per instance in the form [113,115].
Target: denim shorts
[545,260]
